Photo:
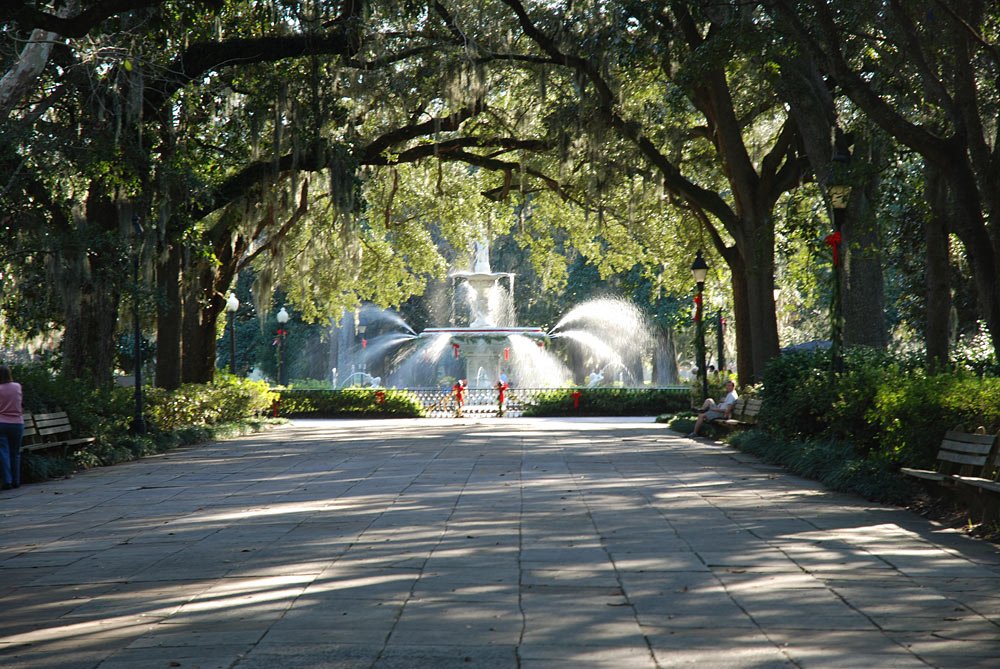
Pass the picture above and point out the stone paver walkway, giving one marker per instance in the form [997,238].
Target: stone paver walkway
[499,543]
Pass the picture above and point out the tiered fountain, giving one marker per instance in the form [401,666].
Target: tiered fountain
[492,346]
[484,344]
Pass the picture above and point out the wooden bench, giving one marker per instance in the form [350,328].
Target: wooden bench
[50,430]
[744,414]
[967,469]
[962,455]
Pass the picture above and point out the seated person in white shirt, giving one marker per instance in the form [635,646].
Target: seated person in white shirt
[712,410]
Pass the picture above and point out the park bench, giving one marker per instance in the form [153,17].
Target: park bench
[50,430]
[744,414]
[962,455]
[967,468]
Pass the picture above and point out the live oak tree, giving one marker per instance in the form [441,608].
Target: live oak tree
[926,73]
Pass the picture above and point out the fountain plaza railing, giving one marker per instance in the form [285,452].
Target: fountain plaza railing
[482,402]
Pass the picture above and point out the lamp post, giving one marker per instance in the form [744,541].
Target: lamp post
[232,304]
[138,422]
[720,340]
[282,320]
[839,190]
[699,270]
[362,329]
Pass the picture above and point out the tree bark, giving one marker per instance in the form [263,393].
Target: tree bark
[198,322]
[938,307]
[91,290]
[168,319]
[862,290]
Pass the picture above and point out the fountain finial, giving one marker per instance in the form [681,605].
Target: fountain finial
[481,257]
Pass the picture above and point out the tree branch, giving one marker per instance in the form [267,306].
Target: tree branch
[26,15]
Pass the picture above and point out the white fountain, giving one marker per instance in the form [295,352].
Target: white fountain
[485,344]
[607,335]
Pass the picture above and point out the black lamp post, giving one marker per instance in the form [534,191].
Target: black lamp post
[839,190]
[282,321]
[232,305]
[362,329]
[138,422]
[720,340]
[699,270]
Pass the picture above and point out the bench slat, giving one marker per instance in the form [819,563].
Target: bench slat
[962,458]
[927,474]
[966,437]
[963,447]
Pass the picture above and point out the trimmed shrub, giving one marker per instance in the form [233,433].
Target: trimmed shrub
[227,399]
[350,402]
[608,402]
[912,414]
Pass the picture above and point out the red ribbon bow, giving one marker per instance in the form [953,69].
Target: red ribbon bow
[697,305]
[833,241]
[379,396]
[576,399]
[454,347]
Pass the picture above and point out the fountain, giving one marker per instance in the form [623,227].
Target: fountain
[492,346]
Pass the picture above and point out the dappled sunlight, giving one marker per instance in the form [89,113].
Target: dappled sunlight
[569,541]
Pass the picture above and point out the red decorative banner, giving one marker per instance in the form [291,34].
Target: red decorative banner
[833,241]
[576,399]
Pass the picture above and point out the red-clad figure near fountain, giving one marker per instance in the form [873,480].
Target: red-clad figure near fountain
[458,391]
[501,387]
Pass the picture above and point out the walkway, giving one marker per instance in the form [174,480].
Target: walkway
[437,544]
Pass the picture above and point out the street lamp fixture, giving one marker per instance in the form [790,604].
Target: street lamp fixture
[232,305]
[282,321]
[699,270]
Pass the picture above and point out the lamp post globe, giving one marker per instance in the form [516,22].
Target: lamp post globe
[699,270]
[282,321]
[232,306]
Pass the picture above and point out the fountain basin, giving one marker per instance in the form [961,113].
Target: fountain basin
[479,333]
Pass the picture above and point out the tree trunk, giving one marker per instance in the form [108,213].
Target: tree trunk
[168,322]
[938,269]
[90,281]
[980,242]
[88,346]
[763,324]
[200,312]
[862,289]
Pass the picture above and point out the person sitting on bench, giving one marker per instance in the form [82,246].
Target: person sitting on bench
[712,410]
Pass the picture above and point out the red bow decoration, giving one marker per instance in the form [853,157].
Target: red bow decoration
[506,354]
[697,307]
[833,241]
[364,343]
[379,397]
[576,399]
[454,347]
